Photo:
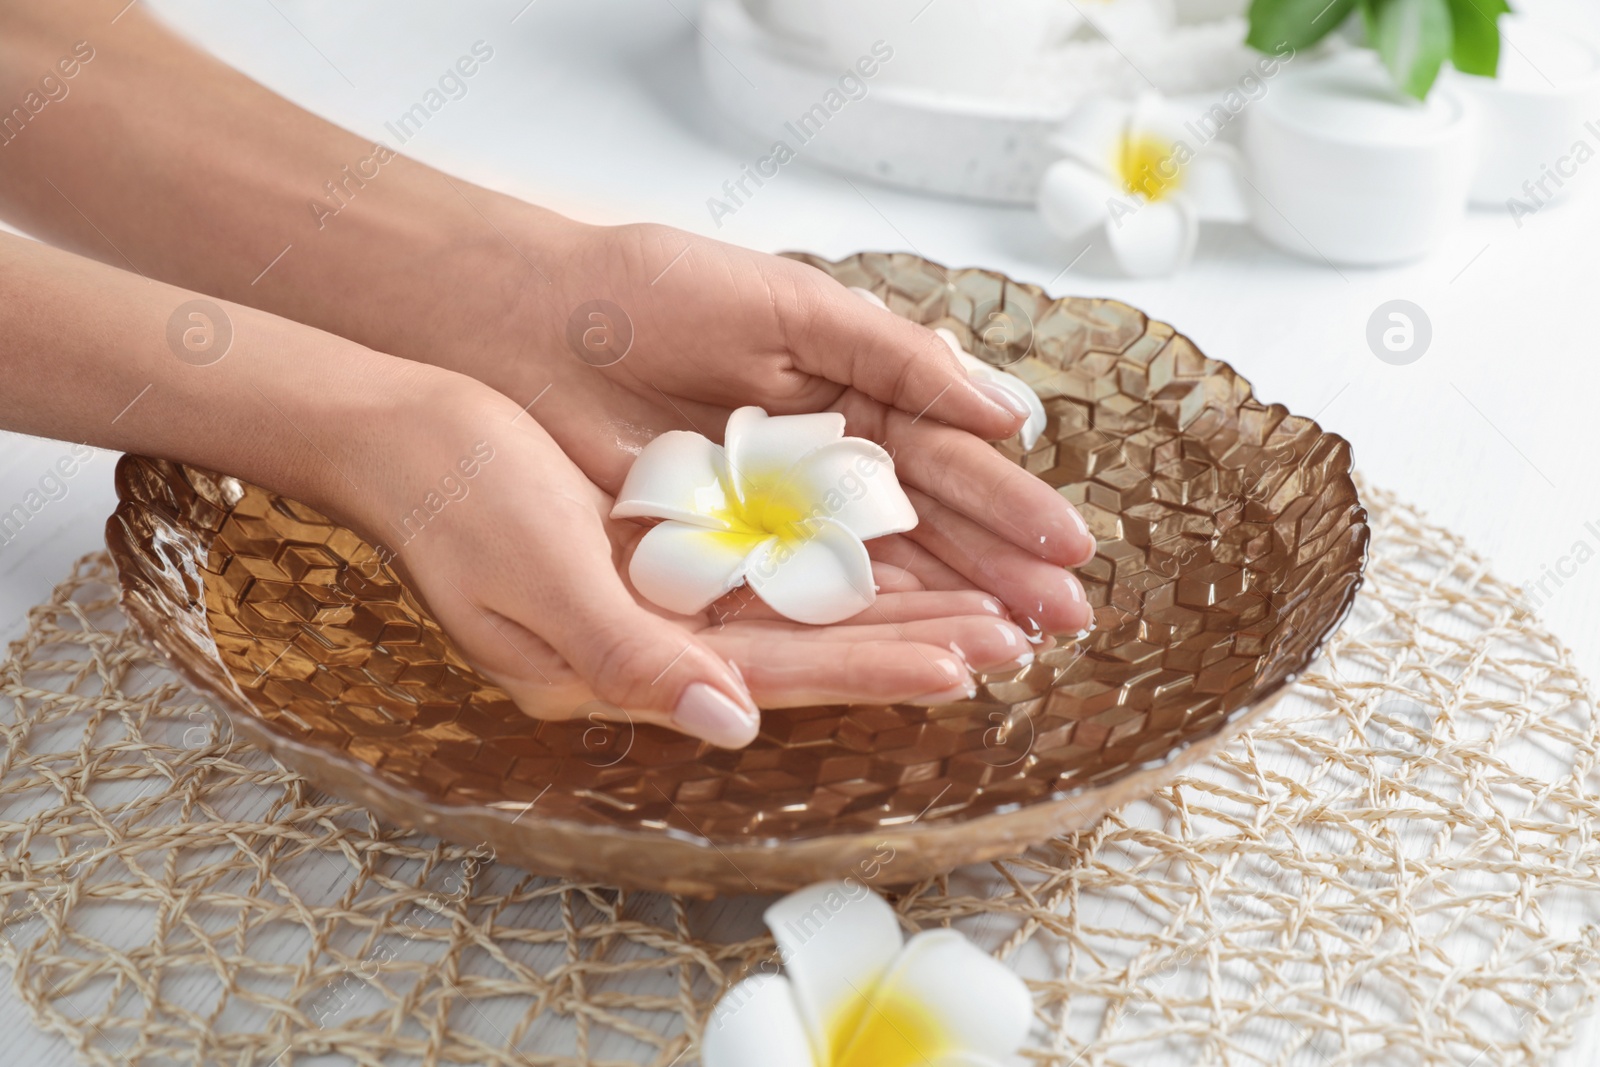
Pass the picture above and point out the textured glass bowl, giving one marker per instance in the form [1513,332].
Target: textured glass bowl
[1231,545]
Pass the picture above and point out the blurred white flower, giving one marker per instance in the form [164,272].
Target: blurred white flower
[1135,170]
[785,505]
[854,994]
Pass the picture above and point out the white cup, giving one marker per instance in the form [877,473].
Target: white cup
[1348,170]
[1545,101]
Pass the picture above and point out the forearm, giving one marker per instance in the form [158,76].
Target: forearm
[99,356]
[158,158]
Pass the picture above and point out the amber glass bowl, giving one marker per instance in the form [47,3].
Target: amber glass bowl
[1231,545]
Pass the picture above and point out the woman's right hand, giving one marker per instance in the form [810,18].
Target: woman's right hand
[526,571]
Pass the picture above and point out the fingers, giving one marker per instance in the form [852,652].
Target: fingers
[1037,593]
[969,476]
[900,553]
[976,480]
[534,566]
[983,642]
[834,334]
[801,673]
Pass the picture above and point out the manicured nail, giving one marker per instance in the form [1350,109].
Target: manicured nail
[1000,395]
[963,691]
[1002,648]
[714,716]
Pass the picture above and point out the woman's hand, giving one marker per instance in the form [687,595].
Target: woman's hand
[526,571]
[708,327]
[421,265]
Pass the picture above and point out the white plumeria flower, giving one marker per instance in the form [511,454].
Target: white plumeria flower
[785,505]
[977,368]
[854,994]
[1145,177]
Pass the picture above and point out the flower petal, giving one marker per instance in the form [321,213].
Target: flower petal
[761,448]
[679,475]
[852,482]
[943,996]
[1092,131]
[1154,238]
[1152,116]
[836,940]
[756,1022]
[685,568]
[1213,184]
[1037,419]
[822,576]
[1073,198]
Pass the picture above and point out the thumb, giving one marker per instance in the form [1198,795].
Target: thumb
[648,665]
[860,343]
[644,663]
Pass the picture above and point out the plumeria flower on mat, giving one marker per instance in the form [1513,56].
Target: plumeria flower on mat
[785,504]
[1144,176]
[854,994]
[977,368]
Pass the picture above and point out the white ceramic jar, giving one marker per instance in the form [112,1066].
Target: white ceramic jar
[1346,169]
[1540,118]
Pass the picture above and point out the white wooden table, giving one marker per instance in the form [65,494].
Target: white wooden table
[594,107]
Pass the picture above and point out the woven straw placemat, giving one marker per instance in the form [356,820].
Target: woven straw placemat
[1397,866]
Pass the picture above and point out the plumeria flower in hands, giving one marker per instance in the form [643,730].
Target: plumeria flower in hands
[1135,171]
[717,327]
[787,504]
[855,993]
[528,571]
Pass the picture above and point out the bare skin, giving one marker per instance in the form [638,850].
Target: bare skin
[375,346]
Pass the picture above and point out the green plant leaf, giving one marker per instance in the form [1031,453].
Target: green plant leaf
[1476,24]
[1295,23]
[1414,38]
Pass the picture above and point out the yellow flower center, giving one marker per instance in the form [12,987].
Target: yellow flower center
[1147,165]
[888,1031]
[771,508]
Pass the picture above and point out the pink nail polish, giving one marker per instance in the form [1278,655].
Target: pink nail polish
[1002,396]
[962,691]
[713,716]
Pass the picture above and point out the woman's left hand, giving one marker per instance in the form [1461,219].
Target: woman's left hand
[649,329]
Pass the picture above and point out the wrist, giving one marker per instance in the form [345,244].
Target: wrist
[387,431]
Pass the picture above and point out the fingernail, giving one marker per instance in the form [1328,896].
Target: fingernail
[989,657]
[1000,395]
[1082,529]
[963,691]
[714,716]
